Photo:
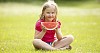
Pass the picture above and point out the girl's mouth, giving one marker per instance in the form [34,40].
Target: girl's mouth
[50,17]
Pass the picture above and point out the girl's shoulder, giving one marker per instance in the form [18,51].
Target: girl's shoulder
[39,21]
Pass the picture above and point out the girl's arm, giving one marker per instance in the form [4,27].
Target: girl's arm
[58,34]
[39,35]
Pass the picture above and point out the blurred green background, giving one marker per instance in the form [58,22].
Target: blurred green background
[81,18]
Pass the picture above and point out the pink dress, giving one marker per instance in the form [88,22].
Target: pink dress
[49,35]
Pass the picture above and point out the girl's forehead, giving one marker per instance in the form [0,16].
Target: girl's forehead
[50,8]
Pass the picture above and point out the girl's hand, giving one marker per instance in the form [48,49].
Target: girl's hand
[56,27]
[44,29]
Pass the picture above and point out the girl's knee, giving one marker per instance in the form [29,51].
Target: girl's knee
[36,41]
[71,37]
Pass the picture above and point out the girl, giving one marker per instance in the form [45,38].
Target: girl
[45,39]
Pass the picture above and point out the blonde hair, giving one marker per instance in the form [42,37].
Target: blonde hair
[47,5]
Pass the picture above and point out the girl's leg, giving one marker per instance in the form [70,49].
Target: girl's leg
[38,43]
[66,41]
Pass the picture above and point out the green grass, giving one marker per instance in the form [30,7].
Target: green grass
[17,31]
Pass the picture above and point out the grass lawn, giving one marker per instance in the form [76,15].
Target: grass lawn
[17,28]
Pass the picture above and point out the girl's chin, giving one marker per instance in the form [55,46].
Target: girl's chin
[50,20]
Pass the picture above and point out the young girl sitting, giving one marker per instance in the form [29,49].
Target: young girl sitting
[50,39]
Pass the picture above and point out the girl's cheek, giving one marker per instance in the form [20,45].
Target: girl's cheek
[54,15]
[47,15]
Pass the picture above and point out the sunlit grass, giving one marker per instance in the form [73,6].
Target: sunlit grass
[17,31]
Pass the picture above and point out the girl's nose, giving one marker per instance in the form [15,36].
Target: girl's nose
[50,14]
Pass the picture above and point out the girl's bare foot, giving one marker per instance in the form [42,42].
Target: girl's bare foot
[66,48]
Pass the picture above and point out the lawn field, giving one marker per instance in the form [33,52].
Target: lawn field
[17,22]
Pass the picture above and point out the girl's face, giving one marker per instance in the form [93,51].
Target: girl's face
[50,13]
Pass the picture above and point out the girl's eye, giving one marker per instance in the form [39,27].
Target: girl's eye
[48,12]
[52,12]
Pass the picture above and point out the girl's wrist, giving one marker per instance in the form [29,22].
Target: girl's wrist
[44,30]
[56,29]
